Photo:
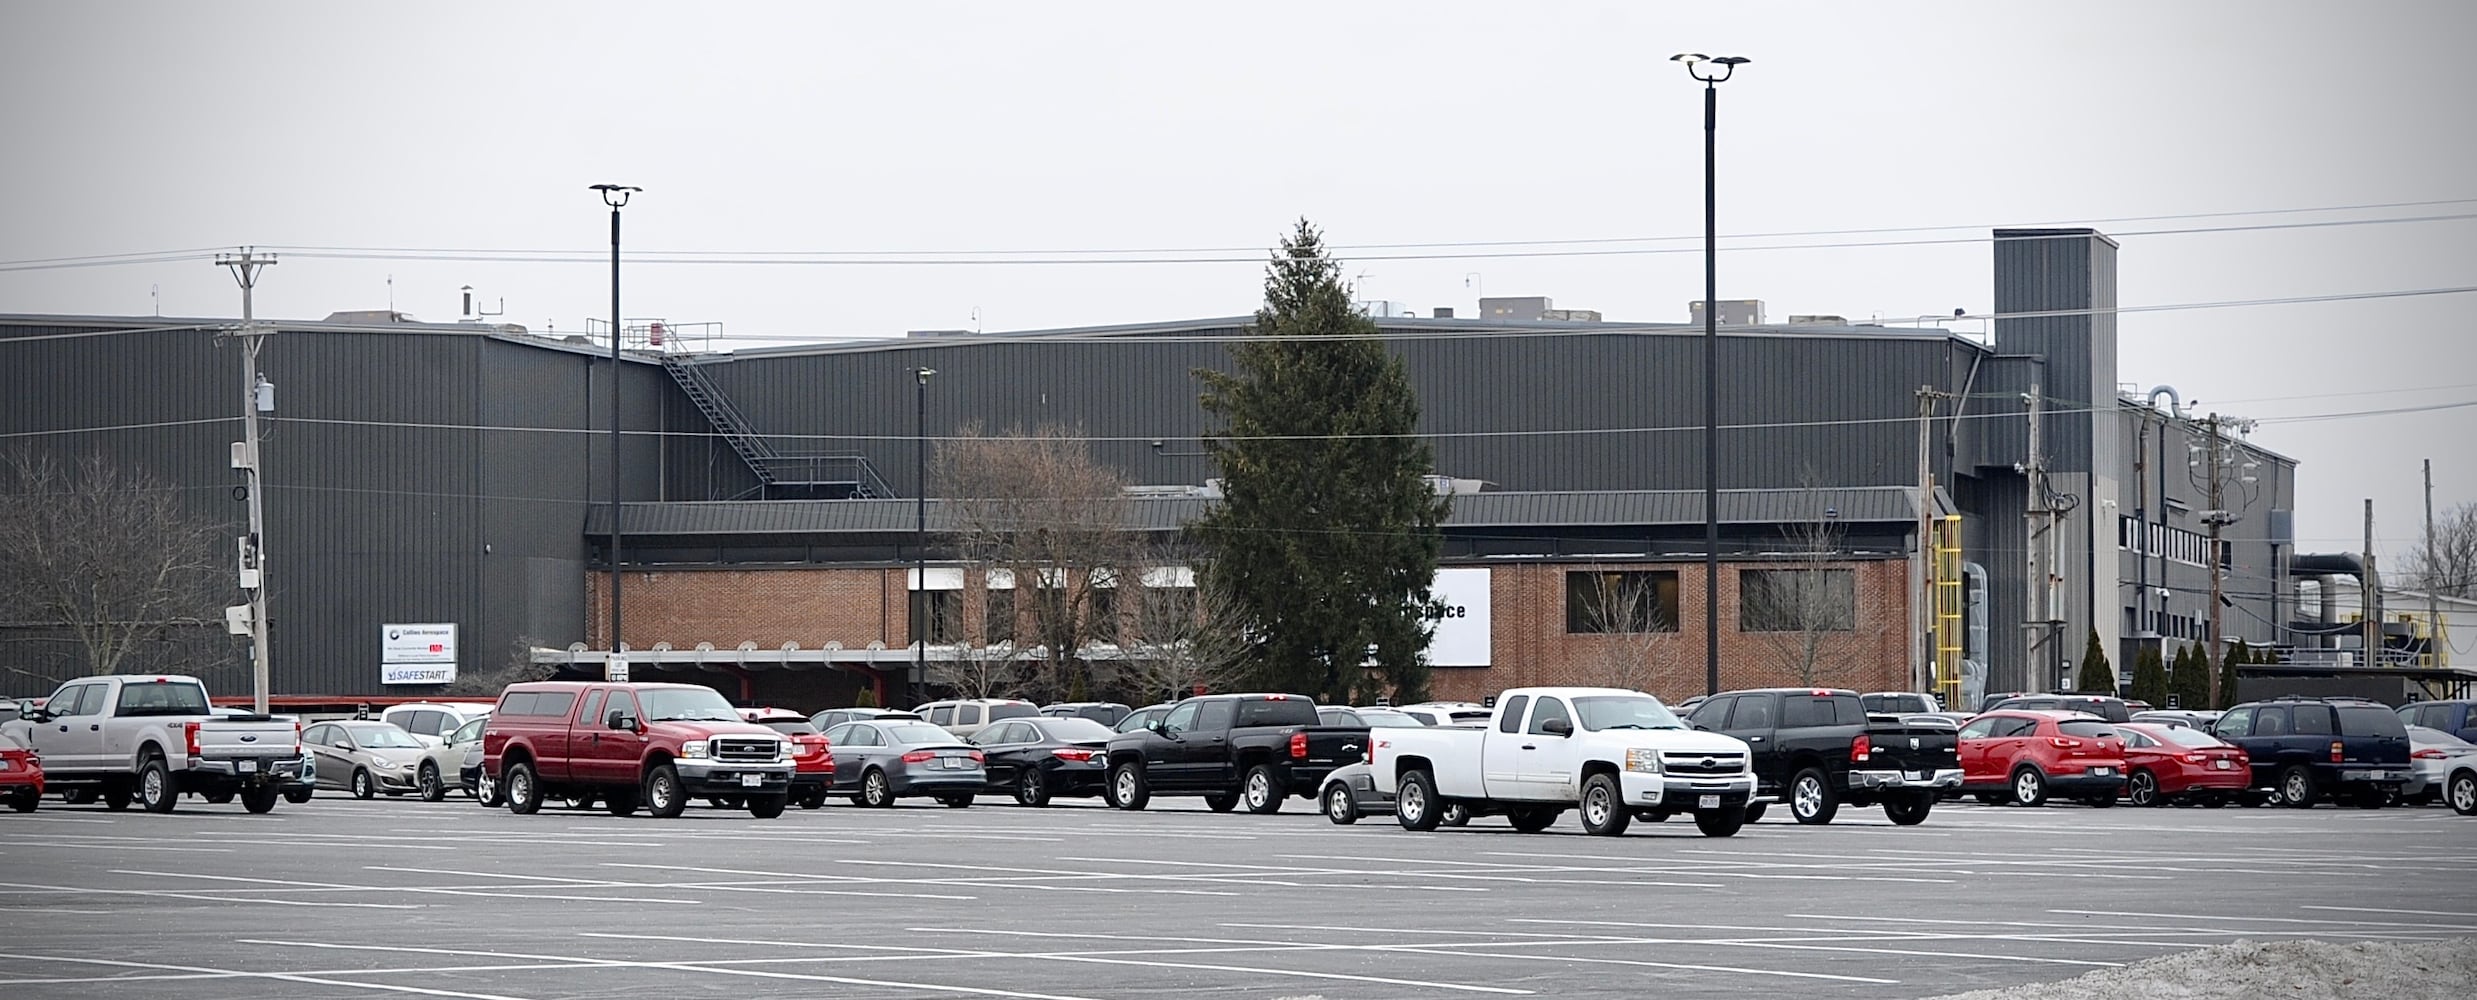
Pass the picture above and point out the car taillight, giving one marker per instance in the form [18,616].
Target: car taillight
[2195,758]
[296,739]
[918,756]
[977,757]
[2062,743]
[1298,746]
[2429,753]
[1860,749]
[1369,755]
[2337,751]
[189,735]
[1076,754]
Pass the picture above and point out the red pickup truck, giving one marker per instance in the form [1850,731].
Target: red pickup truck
[656,745]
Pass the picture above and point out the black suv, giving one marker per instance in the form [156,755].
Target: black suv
[2303,749]
[2109,708]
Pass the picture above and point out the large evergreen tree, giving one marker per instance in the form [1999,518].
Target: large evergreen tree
[2191,680]
[2150,677]
[2238,655]
[1326,536]
[2096,675]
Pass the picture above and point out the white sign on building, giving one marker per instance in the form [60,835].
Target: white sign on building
[417,653]
[1458,608]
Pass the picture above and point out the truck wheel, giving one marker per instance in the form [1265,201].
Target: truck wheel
[362,786]
[875,790]
[524,789]
[2462,793]
[1340,806]
[261,799]
[663,797]
[2143,788]
[1533,819]
[1221,802]
[1414,803]
[1603,807]
[1032,788]
[767,806]
[2296,787]
[1263,794]
[621,803]
[2029,787]
[116,797]
[155,789]
[1456,814]
[1720,822]
[1908,810]
[1811,799]
[1127,786]
[26,800]
[432,789]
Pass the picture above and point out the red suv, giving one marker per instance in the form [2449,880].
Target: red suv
[2027,756]
[812,758]
[21,775]
[655,744]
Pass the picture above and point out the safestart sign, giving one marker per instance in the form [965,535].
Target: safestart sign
[418,653]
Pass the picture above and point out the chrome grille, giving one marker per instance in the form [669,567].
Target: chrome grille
[747,750]
[1688,763]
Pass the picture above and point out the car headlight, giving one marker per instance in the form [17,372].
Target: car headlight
[1643,760]
[696,748]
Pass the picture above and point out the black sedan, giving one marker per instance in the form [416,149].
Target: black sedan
[1041,758]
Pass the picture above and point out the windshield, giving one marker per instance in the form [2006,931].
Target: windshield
[383,737]
[162,698]
[2184,737]
[1074,729]
[1625,712]
[686,705]
[794,727]
[917,732]
[1385,717]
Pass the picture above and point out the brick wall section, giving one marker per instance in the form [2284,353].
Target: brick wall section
[1531,646]
[855,607]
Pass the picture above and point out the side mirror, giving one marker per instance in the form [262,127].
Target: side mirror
[619,719]
[1557,727]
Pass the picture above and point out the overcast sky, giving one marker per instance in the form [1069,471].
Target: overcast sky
[957,129]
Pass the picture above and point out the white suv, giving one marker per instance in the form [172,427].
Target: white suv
[965,717]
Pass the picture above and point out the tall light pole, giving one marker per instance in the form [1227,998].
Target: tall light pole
[1695,61]
[616,196]
[256,396]
[920,526]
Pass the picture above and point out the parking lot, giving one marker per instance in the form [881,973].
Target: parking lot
[339,898]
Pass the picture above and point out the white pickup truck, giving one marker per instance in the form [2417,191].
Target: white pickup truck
[1618,755]
[150,738]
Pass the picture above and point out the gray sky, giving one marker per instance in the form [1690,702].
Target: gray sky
[951,127]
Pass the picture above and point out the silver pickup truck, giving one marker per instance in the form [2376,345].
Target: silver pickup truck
[149,738]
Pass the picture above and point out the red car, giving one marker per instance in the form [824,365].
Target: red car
[21,775]
[812,759]
[2181,765]
[2029,756]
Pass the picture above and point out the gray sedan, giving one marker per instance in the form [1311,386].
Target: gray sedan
[364,758]
[878,762]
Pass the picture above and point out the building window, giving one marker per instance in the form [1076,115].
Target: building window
[999,624]
[941,611]
[1620,601]
[1797,600]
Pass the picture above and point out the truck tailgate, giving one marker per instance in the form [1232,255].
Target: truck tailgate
[230,739]
[1912,748]
[1333,746]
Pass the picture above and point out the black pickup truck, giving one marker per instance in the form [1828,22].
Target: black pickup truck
[1818,749]
[1229,748]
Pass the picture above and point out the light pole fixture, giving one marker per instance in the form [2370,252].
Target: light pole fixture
[920,527]
[616,196]
[1695,63]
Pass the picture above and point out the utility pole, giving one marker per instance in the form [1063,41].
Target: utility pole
[614,666]
[2038,613]
[256,395]
[2369,593]
[2217,518]
[2433,604]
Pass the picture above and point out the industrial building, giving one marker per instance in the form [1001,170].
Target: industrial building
[1991,499]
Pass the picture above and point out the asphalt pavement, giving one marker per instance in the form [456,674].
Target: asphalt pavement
[342,898]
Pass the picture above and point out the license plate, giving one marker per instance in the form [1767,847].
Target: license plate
[751,780]
[2102,771]
[1918,775]
[949,763]
[249,767]
[2223,764]
[1708,802]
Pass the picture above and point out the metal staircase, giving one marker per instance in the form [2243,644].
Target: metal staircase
[799,472]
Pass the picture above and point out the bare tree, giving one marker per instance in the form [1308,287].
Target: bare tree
[1626,616]
[1175,639]
[978,670]
[519,668]
[1038,506]
[2452,571]
[107,559]
[1804,607]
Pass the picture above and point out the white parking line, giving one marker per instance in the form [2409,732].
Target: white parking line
[2377,909]
[280,976]
[688,967]
[2324,922]
[1747,943]
[196,897]
[1250,970]
[279,885]
[1455,949]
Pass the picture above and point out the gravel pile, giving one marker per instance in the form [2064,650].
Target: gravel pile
[2274,970]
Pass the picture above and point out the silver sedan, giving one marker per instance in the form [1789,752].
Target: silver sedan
[878,762]
[363,757]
